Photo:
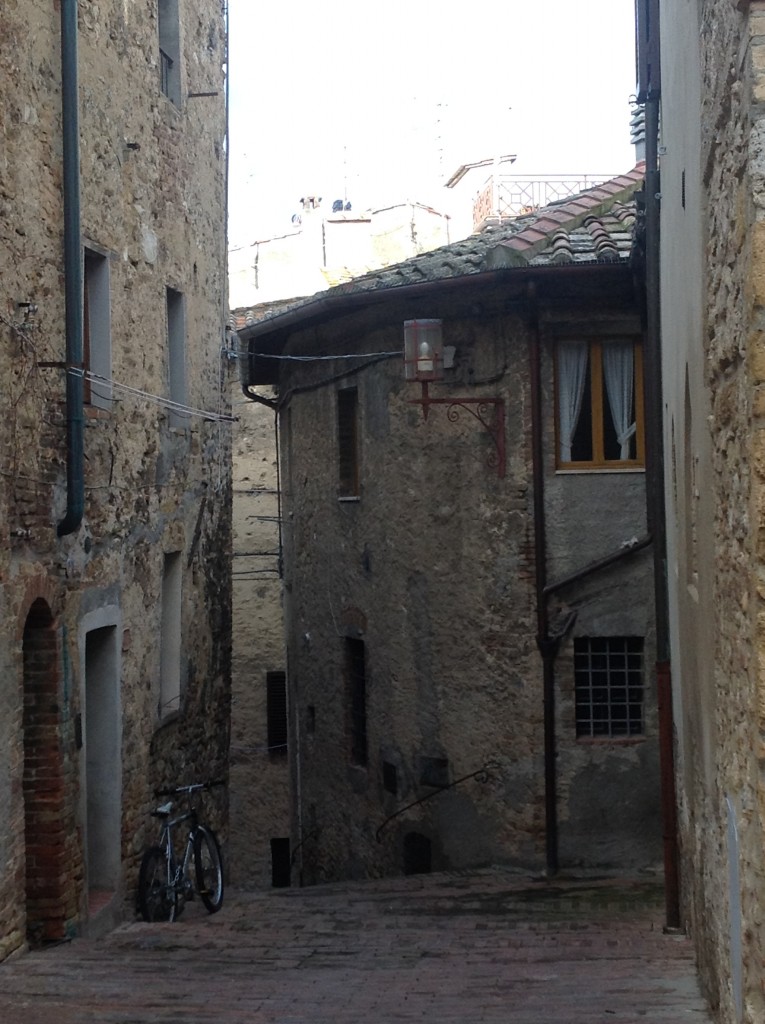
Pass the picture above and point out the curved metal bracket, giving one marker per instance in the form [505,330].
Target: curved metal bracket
[482,775]
[478,408]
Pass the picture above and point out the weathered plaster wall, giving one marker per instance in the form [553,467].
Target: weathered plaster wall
[152,203]
[433,567]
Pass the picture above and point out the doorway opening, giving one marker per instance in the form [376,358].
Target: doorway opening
[103,781]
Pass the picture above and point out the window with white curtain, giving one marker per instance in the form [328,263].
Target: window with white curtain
[599,404]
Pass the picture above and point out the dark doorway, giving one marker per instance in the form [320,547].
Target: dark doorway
[417,855]
[280,863]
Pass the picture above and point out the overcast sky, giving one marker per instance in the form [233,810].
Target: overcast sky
[380,103]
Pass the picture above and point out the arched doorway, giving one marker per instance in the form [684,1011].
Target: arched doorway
[44,788]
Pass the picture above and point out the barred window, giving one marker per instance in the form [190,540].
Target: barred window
[608,682]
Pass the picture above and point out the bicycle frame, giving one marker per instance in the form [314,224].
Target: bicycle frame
[178,877]
[169,874]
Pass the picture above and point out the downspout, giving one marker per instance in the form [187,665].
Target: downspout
[75,480]
[548,646]
[656,513]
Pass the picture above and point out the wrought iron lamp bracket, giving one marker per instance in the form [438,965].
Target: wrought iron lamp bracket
[479,409]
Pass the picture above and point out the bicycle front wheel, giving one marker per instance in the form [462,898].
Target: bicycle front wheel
[156,894]
[209,868]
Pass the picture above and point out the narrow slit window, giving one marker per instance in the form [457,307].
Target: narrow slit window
[169,50]
[356,700]
[176,356]
[170,636]
[276,712]
[348,442]
[96,330]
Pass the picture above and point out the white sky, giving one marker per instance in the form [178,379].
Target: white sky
[383,101]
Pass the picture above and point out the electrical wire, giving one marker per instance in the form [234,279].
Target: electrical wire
[317,359]
[161,400]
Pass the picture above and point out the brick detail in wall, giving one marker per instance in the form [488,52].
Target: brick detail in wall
[44,787]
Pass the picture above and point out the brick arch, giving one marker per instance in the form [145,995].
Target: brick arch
[44,786]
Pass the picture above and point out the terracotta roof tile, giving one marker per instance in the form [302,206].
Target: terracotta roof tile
[591,227]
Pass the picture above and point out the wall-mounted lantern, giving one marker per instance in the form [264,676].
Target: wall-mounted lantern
[423,350]
[424,362]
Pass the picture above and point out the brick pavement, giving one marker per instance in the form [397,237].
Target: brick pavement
[479,948]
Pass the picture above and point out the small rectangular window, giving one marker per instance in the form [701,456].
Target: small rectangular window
[176,355]
[356,699]
[276,712]
[608,683]
[96,331]
[348,442]
[169,50]
[599,404]
[170,646]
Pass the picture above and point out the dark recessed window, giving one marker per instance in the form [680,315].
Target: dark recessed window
[276,712]
[608,682]
[356,699]
[348,442]
[390,777]
[169,50]
[434,771]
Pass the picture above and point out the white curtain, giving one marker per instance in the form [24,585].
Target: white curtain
[572,375]
[619,372]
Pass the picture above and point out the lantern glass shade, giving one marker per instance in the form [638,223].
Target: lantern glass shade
[423,350]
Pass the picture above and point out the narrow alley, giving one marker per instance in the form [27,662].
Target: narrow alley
[456,948]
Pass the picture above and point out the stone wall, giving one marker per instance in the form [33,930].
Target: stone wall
[432,567]
[152,201]
[259,775]
[711,191]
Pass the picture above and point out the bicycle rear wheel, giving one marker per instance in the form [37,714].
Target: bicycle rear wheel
[156,895]
[209,868]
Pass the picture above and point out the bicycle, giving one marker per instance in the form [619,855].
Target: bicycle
[165,883]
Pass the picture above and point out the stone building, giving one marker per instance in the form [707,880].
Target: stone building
[468,580]
[705,130]
[114,444]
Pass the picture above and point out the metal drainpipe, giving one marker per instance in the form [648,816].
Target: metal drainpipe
[548,646]
[656,510]
[75,481]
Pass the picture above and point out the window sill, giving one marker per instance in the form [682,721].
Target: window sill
[94,412]
[619,741]
[589,470]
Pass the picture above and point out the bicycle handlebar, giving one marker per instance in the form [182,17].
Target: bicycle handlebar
[192,788]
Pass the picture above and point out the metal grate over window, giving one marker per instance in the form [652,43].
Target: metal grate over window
[608,682]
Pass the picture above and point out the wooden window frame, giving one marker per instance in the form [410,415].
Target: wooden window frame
[595,364]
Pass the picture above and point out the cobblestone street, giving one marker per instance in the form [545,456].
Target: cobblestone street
[471,948]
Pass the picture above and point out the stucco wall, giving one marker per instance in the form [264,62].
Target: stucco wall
[152,201]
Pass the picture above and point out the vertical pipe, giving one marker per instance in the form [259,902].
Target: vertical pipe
[547,646]
[656,510]
[75,484]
